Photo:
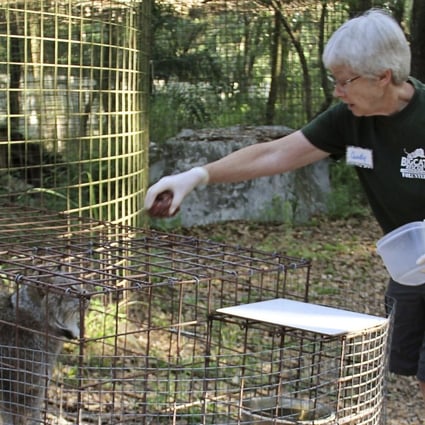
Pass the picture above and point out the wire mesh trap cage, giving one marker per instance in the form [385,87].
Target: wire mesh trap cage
[108,324]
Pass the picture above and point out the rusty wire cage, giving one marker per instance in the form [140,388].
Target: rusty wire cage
[73,116]
[147,342]
[281,375]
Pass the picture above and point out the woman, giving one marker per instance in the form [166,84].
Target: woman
[379,126]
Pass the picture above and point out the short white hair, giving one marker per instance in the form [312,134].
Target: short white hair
[369,45]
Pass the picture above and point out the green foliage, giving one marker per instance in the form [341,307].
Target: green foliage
[190,106]
[214,69]
[248,110]
[278,211]
[346,197]
[183,107]
[179,50]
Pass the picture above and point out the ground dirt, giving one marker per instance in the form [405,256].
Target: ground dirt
[342,251]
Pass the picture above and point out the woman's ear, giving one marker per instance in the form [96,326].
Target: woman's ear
[386,77]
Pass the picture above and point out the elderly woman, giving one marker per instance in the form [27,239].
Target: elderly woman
[379,126]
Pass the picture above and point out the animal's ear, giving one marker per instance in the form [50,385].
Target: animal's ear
[28,297]
[33,293]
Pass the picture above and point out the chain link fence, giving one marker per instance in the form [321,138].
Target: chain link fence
[228,62]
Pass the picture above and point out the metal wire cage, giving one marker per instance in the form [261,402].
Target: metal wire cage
[281,375]
[146,342]
[73,132]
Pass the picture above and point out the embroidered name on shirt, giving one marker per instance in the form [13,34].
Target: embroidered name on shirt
[359,157]
[413,164]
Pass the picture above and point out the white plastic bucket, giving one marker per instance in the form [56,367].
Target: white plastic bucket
[400,250]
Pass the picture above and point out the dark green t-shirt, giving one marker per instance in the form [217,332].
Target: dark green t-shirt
[394,179]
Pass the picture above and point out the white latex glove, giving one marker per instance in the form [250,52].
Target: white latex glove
[180,184]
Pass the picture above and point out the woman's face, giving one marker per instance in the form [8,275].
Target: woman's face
[364,96]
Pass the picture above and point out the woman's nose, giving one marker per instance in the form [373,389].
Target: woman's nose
[338,91]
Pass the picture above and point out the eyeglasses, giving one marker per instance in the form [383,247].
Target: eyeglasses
[342,84]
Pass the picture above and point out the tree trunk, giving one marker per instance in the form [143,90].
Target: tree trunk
[308,102]
[418,39]
[34,45]
[326,85]
[276,70]
[15,73]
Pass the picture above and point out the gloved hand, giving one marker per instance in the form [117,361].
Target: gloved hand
[180,184]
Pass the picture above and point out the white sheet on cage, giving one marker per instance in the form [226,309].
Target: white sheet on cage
[305,316]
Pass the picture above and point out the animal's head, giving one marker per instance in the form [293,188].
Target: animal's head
[59,305]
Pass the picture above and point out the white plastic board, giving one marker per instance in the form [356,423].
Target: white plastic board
[305,316]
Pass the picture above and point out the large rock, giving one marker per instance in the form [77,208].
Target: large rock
[291,197]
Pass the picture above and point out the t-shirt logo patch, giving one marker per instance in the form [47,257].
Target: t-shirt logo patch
[413,164]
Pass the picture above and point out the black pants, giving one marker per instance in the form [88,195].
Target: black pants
[407,356]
